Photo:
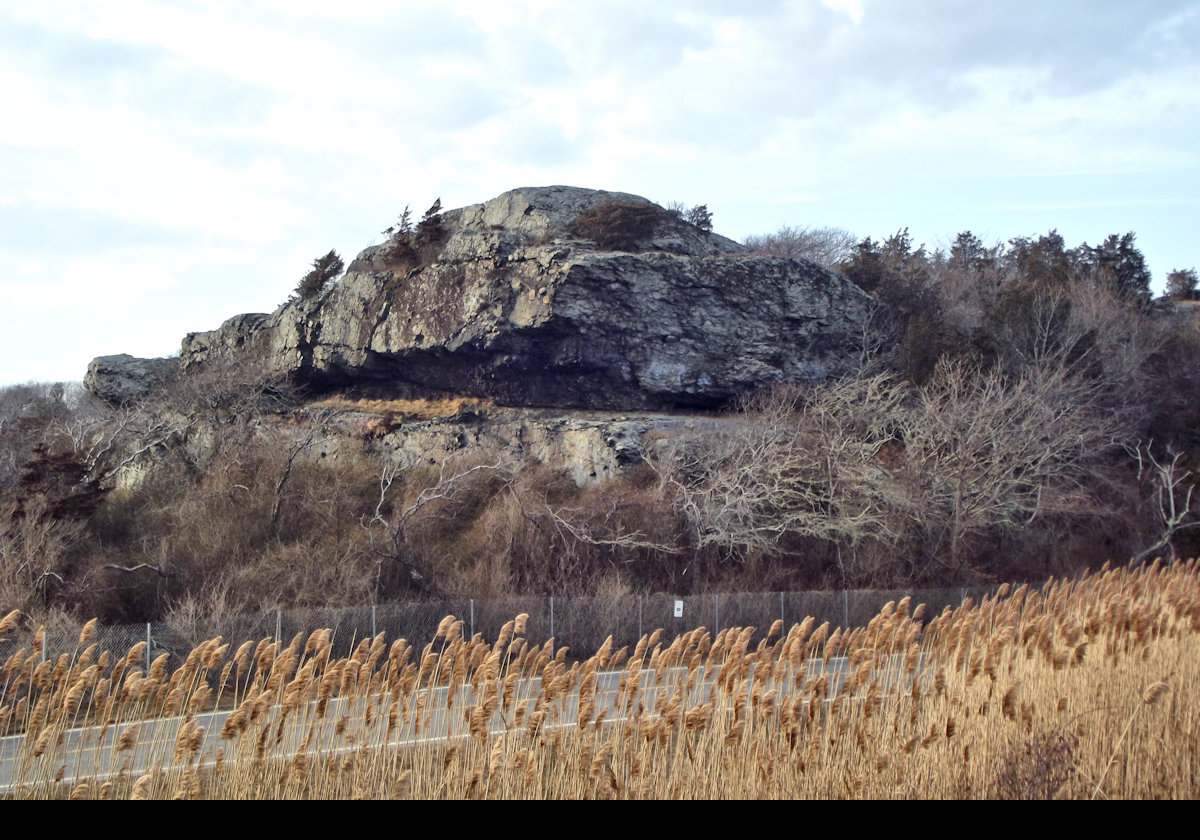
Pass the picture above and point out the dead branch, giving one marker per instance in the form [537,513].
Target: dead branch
[130,569]
[1173,485]
[317,423]
[585,532]
[447,487]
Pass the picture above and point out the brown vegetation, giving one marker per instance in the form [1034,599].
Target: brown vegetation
[620,225]
[324,271]
[411,247]
[824,246]
[416,408]
[1020,411]
[1086,689]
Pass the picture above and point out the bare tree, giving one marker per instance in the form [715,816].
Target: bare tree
[317,423]
[109,443]
[795,463]
[1095,336]
[229,387]
[35,549]
[29,415]
[870,465]
[983,450]
[827,246]
[1173,486]
[393,522]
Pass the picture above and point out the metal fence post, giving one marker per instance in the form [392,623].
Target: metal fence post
[373,632]
[551,616]
[278,627]
[147,648]
[472,610]
[845,607]
[716,614]
[782,616]
[639,635]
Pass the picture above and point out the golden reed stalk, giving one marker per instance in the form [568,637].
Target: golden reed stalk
[1085,688]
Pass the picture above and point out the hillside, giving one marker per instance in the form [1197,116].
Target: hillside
[563,390]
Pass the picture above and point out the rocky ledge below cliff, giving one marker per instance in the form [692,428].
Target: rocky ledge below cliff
[589,446]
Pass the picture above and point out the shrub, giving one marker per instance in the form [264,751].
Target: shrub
[700,217]
[430,230]
[697,216]
[619,225]
[1181,284]
[827,246]
[412,247]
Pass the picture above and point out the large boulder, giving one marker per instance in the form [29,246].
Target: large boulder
[516,300]
[123,378]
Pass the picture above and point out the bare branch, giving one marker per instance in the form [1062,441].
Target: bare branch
[317,423]
[130,569]
[1174,486]
[794,463]
[449,485]
[605,535]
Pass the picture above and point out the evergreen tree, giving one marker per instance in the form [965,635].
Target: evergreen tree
[324,271]
[1119,266]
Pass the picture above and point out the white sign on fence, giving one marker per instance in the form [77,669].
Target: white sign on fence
[679,609]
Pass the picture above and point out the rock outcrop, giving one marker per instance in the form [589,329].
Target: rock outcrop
[517,306]
[124,378]
[589,446]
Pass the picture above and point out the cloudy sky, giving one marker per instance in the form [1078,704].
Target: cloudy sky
[168,164]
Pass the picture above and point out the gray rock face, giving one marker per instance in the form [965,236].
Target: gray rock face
[589,446]
[519,308]
[124,378]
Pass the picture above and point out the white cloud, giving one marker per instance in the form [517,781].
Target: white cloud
[853,9]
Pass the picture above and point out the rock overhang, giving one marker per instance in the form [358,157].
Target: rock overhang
[517,307]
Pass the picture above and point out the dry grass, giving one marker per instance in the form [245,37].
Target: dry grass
[411,409]
[1084,689]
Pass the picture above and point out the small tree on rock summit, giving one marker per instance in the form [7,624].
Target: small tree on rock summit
[324,271]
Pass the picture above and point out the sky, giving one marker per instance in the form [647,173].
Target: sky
[167,165]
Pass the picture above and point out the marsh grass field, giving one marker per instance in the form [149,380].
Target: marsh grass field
[1086,688]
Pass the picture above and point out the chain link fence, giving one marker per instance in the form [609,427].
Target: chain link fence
[580,623]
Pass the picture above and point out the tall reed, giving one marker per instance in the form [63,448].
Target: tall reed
[1084,688]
